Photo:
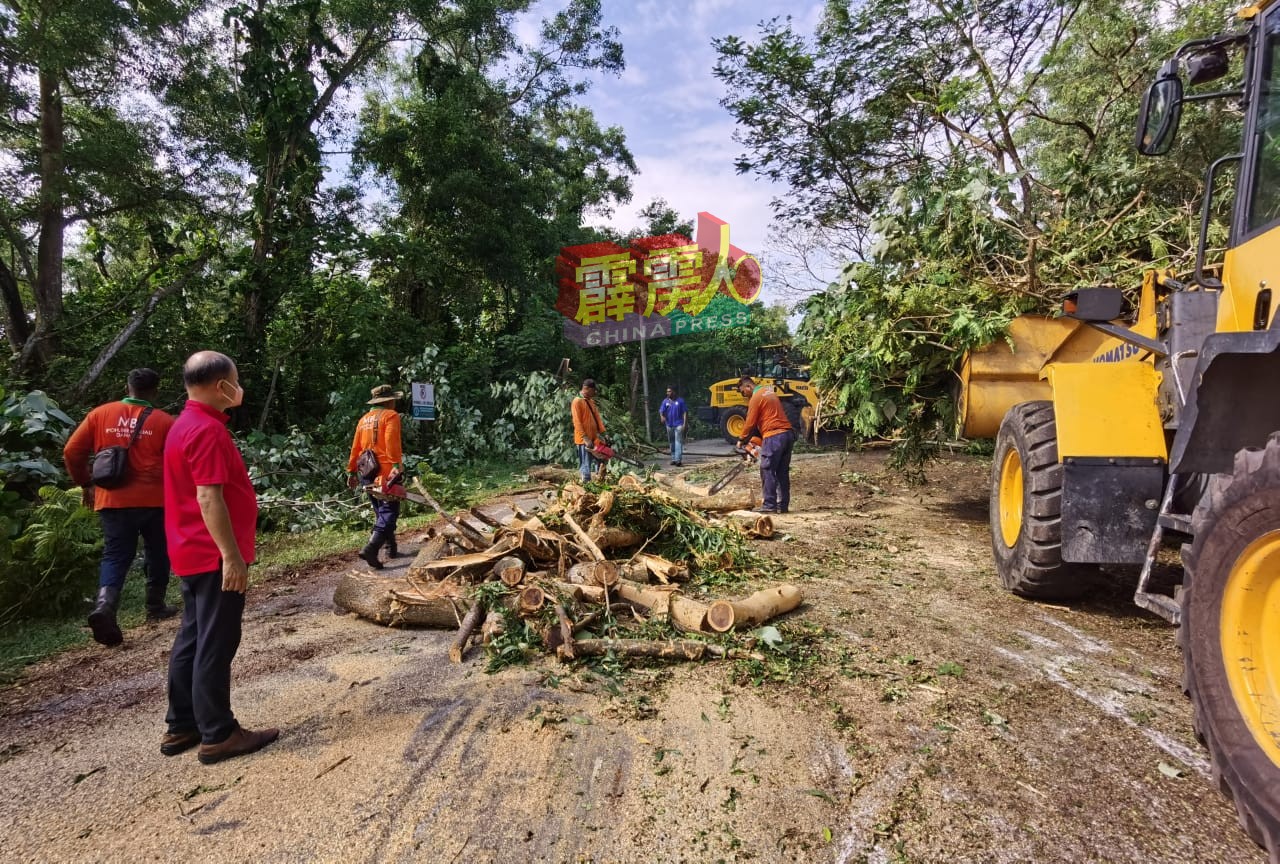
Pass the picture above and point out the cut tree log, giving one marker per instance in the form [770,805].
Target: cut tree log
[397,601]
[510,570]
[674,649]
[721,616]
[662,602]
[766,604]
[581,593]
[531,599]
[613,537]
[468,626]
[601,573]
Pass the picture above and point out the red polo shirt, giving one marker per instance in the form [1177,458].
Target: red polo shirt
[200,452]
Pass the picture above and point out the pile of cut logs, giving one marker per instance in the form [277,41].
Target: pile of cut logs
[566,568]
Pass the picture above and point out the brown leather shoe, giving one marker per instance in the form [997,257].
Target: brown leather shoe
[240,742]
[174,743]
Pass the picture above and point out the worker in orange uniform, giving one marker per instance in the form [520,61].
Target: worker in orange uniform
[766,416]
[134,506]
[588,427]
[378,431]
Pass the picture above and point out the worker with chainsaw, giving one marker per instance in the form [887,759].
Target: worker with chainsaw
[117,455]
[765,415]
[376,464]
[588,428]
[673,414]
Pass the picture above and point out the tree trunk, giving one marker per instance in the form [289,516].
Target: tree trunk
[49,215]
[396,602]
[139,318]
[17,327]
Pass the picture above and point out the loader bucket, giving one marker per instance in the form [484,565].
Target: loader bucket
[998,376]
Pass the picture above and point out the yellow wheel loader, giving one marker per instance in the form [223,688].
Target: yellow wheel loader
[1110,434]
[775,366]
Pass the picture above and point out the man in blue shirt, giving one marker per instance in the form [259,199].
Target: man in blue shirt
[673,413]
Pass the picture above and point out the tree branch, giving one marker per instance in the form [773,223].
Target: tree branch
[140,317]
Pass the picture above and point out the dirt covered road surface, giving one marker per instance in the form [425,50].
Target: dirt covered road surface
[917,714]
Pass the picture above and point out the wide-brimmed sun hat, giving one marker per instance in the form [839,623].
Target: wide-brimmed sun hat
[384,393]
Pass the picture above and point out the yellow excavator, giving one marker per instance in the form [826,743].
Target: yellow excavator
[1116,430]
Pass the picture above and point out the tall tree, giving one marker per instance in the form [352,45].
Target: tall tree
[68,67]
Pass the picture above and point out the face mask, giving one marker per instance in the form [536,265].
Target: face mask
[237,393]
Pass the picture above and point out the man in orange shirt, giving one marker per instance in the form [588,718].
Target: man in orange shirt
[765,414]
[129,511]
[379,430]
[588,427]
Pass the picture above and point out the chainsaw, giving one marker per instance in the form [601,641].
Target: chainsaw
[750,453]
[603,453]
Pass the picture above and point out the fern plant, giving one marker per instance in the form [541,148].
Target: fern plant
[52,566]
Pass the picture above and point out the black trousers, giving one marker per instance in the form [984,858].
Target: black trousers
[200,663]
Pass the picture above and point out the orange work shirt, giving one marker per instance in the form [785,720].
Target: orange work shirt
[764,413]
[588,425]
[386,444]
[112,425]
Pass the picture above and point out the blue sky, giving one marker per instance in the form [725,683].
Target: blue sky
[668,102]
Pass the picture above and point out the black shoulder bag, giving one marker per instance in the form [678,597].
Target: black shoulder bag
[110,466]
[367,467]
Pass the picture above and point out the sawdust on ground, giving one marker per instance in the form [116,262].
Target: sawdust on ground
[942,721]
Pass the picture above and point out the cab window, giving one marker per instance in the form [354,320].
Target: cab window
[1264,196]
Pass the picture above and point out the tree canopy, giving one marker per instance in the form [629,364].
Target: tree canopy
[971,159]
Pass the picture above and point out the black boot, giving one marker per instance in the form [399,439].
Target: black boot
[157,609]
[392,550]
[369,554]
[102,620]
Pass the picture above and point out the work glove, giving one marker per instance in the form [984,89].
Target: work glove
[86,497]
[352,481]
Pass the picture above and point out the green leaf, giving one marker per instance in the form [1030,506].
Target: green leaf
[769,635]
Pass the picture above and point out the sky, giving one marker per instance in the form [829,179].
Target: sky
[668,102]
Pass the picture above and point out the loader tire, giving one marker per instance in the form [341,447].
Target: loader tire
[733,421]
[1230,636]
[1026,508]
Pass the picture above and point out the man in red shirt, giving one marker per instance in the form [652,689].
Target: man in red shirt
[132,509]
[766,416]
[210,514]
